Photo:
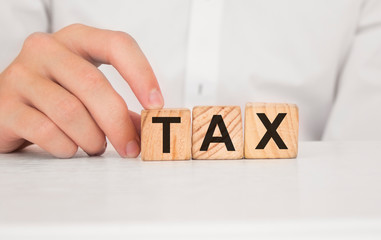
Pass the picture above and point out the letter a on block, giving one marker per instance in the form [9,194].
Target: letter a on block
[271,130]
[217,132]
[166,134]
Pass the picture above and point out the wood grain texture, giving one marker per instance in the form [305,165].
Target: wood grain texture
[152,135]
[202,116]
[255,130]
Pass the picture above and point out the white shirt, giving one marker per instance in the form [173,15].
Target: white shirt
[324,55]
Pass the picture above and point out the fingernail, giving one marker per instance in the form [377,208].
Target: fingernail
[155,99]
[132,149]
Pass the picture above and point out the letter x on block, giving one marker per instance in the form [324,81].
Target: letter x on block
[271,130]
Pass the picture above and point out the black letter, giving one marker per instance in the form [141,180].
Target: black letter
[271,131]
[217,120]
[166,121]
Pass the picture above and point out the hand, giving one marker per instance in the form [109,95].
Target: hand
[53,94]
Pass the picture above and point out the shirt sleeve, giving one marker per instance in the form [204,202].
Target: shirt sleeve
[356,113]
[18,19]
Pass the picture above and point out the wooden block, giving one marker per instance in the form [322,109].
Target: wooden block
[271,130]
[166,134]
[217,132]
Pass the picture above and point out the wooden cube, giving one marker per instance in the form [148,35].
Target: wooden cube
[217,132]
[166,134]
[271,130]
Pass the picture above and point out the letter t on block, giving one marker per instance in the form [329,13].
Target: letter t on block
[271,130]
[166,134]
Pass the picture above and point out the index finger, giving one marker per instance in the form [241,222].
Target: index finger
[120,50]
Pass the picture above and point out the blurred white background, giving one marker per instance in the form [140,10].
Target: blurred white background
[323,55]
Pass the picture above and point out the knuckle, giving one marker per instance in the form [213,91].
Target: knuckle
[72,28]
[122,38]
[69,108]
[75,26]
[37,41]
[15,72]
[69,29]
[6,105]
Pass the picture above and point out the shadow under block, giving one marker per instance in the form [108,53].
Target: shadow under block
[166,134]
[217,132]
[271,130]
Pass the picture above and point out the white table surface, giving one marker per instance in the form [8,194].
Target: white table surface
[331,191]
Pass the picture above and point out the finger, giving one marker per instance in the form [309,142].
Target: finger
[90,86]
[120,50]
[135,117]
[23,145]
[34,126]
[66,111]
[10,142]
